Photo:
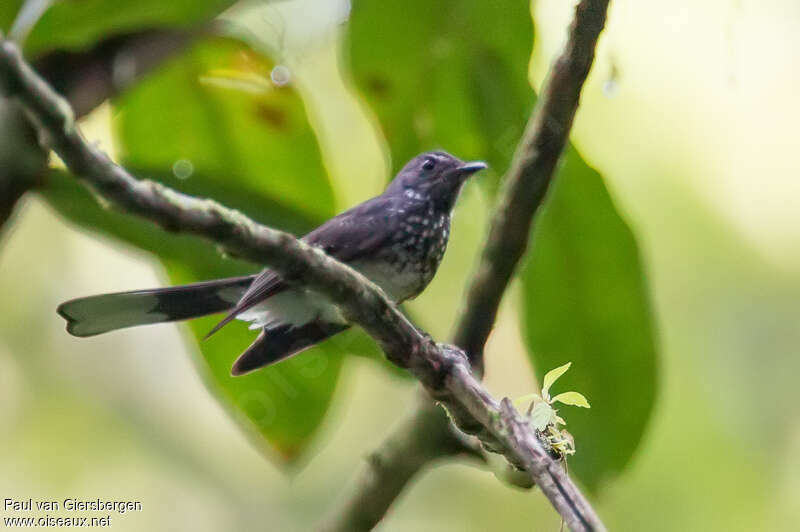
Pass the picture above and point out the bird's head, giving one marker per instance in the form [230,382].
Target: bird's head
[434,175]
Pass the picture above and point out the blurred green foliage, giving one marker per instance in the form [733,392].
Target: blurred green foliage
[238,148]
[437,75]
[585,301]
[440,74]
[253,144]
[454,80]
[667,117]
[8,12]
[74,25]
[285,403]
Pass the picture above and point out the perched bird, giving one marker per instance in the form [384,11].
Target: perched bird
[397,240]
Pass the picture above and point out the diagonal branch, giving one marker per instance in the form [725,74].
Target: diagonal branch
[443,370]
[528,179]
[400,458]
[524,189]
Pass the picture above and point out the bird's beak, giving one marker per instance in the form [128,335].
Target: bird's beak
[472,167]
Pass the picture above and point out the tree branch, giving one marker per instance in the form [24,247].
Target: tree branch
[86,78]
[443,370]
[524,189]
[527,181]
[390,468]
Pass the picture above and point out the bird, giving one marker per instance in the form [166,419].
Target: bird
[397,240]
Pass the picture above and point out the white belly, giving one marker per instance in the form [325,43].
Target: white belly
[295,306]
[298,306]
[399,286]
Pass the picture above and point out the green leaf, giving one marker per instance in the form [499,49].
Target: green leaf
[71,24]
[283,404]
[519,402]
[572,399]
[552,376]
[8,13]
[250,143]
[258,154]
[542,415]
[74,202]
[453,81]
[585,300]
[440,74]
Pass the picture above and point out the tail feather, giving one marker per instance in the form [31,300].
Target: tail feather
[88,316]
[280,342]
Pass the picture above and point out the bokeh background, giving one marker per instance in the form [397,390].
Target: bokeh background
[690,116]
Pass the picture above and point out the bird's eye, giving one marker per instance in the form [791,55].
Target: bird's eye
[428,164]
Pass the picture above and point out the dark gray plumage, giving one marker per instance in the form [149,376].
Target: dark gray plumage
[396,239]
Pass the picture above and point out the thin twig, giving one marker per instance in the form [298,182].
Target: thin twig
[443,370]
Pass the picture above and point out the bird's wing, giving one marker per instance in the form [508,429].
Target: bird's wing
[352,234]
[266,285]
[358,232]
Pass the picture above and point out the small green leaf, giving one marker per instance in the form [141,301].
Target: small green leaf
[586,300]
[552,376]
[572,398]
[519,402]
[542,415]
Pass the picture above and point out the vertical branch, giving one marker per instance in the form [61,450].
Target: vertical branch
[529,177]
[390,468]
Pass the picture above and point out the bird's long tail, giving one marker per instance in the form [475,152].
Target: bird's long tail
[281,341]
[92,315]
